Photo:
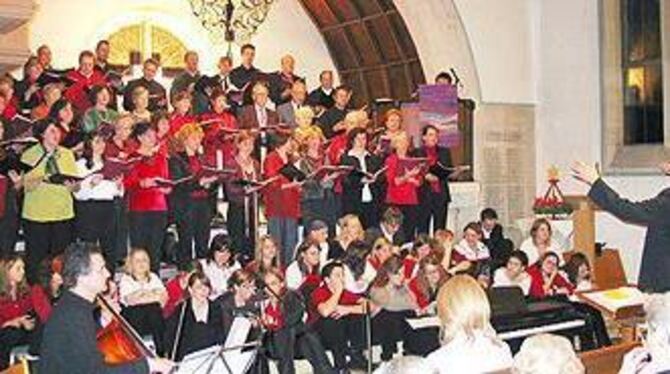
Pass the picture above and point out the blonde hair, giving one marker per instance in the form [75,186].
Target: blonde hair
[547,354]
[139,91]
[258,87]
[304,112]
[354,119]
[186,131]
[128,267]
[396,139]
[463,307]
[348,220]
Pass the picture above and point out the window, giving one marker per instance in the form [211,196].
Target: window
[642,68]
[146,40]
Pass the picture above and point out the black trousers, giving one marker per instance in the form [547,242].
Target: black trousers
[95,222]
[342,336]
[10,338]
[9,223]
[122,230]
[147,319]
[594,334]
[243,241]
[432,206]
[291,342]
[410,220]
[193,227]
[147,230]
[392,327]
[44,239]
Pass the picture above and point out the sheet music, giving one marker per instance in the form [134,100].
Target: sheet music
[239,331]
[422,323]
[616,298]
[208,361]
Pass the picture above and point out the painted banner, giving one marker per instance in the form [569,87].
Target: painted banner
[438,106]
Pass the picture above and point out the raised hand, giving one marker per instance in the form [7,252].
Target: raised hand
[585,172]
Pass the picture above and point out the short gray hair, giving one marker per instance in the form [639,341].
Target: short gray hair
[406,364]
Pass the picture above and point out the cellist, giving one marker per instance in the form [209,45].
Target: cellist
[69,340]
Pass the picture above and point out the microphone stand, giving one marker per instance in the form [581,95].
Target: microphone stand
[368,334]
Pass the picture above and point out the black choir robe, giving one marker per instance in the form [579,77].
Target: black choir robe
[157,94]
[244,79]
[319,97]
[329,119]
[183,81]
[280,83]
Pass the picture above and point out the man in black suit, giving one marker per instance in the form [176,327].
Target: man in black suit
[434,195]
[281,81]
[157,93]
[332,120]
[206,85]
[653,213]
[322,97]
[245,76]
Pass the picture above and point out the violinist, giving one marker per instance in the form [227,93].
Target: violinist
[190,199]
[146,195]
[196,324]
[282,198]
[241,217]
[69,340]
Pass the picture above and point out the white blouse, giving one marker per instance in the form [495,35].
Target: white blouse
[502,279]
[106,190]
[472,254]
[128,286]
[471,355]
[533,253]
[218,276]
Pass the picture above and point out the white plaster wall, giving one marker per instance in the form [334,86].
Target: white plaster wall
[70,26]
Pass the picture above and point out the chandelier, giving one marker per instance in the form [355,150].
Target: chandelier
[231,20]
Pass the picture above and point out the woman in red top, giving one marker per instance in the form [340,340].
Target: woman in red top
[403,184]
[182,112]
[219,126]
[429,278]
[147,189]
[545,280]
[282,198]
[16,307]
[45,294]
[266,257]
[304,274]
[283,317]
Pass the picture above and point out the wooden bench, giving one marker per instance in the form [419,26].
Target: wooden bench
[606,360]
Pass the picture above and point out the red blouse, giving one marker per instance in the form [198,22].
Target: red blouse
[537,282]
[10,309]
[215,134]
[41,302]
[11,109]
[335,151]
[421,299]
[399,194]
[177,121]
[431,154]
[147,199]
[175,296]
[77,93]
[279,202]
[322,294]
[275,315]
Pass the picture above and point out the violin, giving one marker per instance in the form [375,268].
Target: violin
[118,342]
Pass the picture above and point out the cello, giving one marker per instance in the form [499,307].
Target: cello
[118,342]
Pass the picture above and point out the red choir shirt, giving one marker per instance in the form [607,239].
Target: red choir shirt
[11,109]
[275,317]
[175,295]
[375,262]
[279,202]
[214,136]
[10,309]
[409,264]
[78,92]
[322,294]
[431,154]
[146,199]
[177,121]
[537,282]
[335,151]
[195,166]
[399,194]
[41,302]
[113,150]
[421,299]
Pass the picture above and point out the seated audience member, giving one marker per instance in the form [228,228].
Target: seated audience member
[196,323]
[514,273]
[540,242]
[17,312]
[142,296]
[430,276]
[381,251]
[239,299]
[494,239]
[47,291]
[220,264]
[351,230]
[578,270]
[318,233]
[176,288]
[99,113]
[547,354]
[304,273]
[467,333]
[358,272]
[422,247]
[338,318]
[389,227]
[406,364]
[472,251]
[546,280]
[266,256]
[654,355]
[288,334]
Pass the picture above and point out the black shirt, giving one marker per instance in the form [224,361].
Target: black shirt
[69,342]
[194,335]
[329,119]
[157,94]
[319,98]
